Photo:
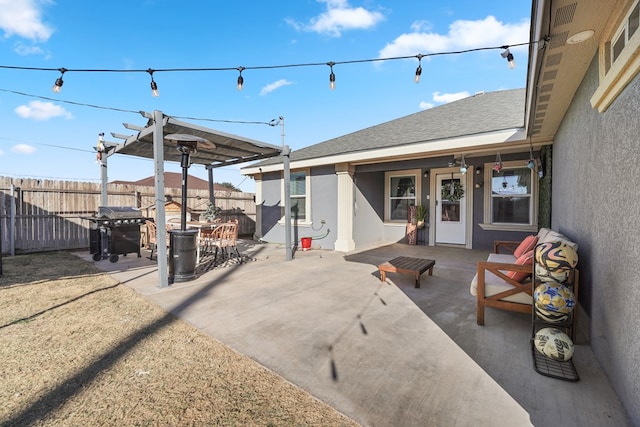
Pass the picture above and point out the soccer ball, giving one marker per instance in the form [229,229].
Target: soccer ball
[544,275]
[550,316]
[554,256]
[554,344]
[554,297]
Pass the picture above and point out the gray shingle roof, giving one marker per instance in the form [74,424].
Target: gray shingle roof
[492,111]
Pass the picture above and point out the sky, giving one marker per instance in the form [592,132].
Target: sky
[49,135]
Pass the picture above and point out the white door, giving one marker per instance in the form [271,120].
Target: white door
[450,218]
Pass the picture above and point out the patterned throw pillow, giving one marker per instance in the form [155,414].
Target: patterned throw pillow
[525,246]
[520,276]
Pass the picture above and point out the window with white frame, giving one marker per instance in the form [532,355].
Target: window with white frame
[619,62]
[299,189]
[402,190]
[510,197]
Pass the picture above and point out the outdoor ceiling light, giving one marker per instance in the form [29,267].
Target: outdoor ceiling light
[332,77]
[580,37]
[240,78]
[419,69]
[154,85]
[57,86]
[509,56]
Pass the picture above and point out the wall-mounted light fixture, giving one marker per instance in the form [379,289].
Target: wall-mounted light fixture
[478,170]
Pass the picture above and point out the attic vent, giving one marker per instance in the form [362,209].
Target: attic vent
[542,107]
[480,92]
[544,98]
[564,15]
[549,75]
[540,115]
[546,88]
[554,59]
[558,40]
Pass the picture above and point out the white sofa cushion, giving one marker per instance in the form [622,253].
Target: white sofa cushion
[494,284]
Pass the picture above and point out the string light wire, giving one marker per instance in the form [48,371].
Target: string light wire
[258,67]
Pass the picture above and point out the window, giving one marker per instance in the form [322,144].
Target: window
[618,62]
[299,191]
[298,188]
[402,190]
[511,199]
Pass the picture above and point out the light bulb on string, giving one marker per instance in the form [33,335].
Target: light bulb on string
[57,86]
[419,69]
[154,85]
[240,78]
[509,57]
[332,77]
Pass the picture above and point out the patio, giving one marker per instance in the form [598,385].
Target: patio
[383,354]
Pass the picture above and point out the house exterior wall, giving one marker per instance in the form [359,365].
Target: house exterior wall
[323,207]
[596,202]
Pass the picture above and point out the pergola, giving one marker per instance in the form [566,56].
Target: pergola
[220,149]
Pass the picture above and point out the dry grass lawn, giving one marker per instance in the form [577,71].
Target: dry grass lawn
[78,349]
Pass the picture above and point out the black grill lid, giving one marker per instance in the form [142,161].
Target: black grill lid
[119,212]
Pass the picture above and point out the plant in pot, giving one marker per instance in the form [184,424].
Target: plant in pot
[211,212]
[421,215]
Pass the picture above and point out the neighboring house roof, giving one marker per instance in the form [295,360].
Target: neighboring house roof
[477,114]
[174,180]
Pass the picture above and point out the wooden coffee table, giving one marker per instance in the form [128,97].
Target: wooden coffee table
[407,265]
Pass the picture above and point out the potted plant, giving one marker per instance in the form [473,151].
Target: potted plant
[210,213]
[421,215]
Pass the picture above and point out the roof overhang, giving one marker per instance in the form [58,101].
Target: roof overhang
[225,149]
[508,140]
[556,66]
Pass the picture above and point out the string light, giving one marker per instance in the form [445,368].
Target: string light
[57,86]
[419,69]
[509,56]
[332,77]
[240,78]
[531,163]
[154,85]
[463,166]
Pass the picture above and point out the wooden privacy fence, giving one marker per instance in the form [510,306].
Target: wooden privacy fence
[42,215]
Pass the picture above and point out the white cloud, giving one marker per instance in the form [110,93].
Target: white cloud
[275,85]
[24,50]
[23,149]
[444,98]
[23,18]
[39,110]
[1,152]
[462,35]
[339,17]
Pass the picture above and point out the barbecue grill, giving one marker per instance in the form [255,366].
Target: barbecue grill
[115,230]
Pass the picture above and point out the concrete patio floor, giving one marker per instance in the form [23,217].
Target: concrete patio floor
[384,354]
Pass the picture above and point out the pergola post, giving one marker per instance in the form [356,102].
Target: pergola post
[161,218]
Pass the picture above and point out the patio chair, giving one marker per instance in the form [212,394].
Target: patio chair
[152,233]
[225,240]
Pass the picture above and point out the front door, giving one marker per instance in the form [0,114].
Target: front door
[450,218]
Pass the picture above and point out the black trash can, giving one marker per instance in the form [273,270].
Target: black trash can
[182,255]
